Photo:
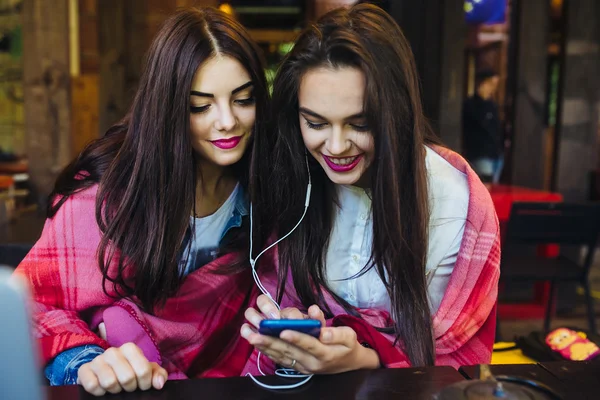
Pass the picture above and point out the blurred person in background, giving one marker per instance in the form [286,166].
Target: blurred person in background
[483,141]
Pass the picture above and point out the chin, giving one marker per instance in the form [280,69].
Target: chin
[227,160]
[343,179]
[221,158]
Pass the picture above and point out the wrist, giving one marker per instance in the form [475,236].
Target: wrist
[367,358]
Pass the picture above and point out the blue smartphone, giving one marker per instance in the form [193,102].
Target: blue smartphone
[273,327]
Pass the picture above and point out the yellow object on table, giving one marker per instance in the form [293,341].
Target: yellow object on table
[514,356]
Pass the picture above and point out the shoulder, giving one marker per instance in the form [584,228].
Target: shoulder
[448,187]
[481,211]
[76,216]
[81,201]
[69,239]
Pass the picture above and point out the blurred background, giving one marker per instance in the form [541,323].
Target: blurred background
[69,68]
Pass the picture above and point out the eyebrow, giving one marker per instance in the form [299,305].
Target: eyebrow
[306,111]
[234,91]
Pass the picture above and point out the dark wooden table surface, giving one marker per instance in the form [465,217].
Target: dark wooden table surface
[413,383]
[579,380]
[570,380]
[525,371]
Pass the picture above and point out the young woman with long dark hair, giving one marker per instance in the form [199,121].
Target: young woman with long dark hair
[400,243]
[124,284]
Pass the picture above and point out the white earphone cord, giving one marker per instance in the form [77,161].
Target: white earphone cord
[282,372]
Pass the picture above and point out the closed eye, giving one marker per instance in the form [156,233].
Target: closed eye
[360,128]
[245,102]
[315,126]
[199,109]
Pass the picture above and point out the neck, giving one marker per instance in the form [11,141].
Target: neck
[214,185]
[211,178]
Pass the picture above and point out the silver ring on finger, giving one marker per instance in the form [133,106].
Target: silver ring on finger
[293,363]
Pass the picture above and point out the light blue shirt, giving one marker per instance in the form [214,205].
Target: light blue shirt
[206,234]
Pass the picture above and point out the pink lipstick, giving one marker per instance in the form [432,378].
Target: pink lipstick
[227,144]
[348,163]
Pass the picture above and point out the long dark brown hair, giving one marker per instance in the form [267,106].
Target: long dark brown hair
[145,164]
[364,37]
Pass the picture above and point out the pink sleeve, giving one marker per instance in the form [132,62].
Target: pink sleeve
[64,278]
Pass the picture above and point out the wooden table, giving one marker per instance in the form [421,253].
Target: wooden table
[526,371]
[14,167]
[570,380]
[503,197]
[579,380]
[413,383]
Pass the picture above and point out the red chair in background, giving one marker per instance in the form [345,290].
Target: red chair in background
[564,224]
[503,197]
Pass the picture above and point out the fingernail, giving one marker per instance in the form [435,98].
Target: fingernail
[246,332]
[160,382]
[327,336]
[273,315]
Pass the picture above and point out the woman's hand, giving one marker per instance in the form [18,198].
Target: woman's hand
[336,350]
[268,310]
[121,368]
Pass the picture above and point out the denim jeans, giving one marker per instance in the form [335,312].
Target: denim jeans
[63,369]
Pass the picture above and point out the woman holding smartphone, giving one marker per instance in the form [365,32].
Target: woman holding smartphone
[397,252]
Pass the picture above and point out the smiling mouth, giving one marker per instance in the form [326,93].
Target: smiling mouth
[229,143]
[342,164]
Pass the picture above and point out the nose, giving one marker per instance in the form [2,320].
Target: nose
[226,120]
[337,144]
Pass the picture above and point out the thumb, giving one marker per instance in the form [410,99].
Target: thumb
[159,376]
